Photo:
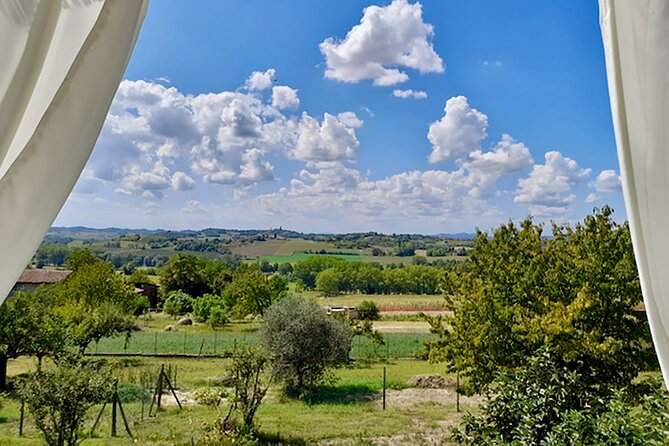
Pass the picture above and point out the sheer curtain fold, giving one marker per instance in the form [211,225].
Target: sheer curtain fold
[62,63]
[636,44]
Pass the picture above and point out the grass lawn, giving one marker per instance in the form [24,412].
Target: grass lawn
[346,413]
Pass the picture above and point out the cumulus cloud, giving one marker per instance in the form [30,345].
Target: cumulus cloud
[606,181]
[409,94]
[156,138]
[181,181]
[259,80]
[548,189]
[386,38]
[284,97]
[329,189]
[485,168]
[458,132]
[255,168]
[332,139]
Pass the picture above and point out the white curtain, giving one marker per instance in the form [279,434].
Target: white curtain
[636,43]
[60,64]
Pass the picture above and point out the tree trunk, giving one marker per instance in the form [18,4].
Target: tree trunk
[3,371]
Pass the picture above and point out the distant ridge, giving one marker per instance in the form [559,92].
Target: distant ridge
[56,233]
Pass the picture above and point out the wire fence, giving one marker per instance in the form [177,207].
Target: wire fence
[397,345]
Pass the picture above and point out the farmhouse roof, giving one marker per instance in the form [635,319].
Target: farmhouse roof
[43,276]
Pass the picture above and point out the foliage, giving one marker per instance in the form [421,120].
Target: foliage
[218,317]
[251,291]
[80,258]
[29,327]
[94,302]
[59,399]
[547,404]
[172,309]
[52,254]
[367,310]
[574,292]
[209,396]
[202,306]
[185,272]
[140,305]
[368,278]
[179,300]
[250,386]
[302,342]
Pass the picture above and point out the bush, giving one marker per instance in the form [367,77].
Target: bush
[203,305]
[140,305]
[60,399]
[209,396]
[133,393]
[181,300]
[302,342]
[368,311]
[218,318]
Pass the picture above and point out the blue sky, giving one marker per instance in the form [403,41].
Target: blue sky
[431,116]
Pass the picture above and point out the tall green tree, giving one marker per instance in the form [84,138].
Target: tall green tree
[29,327]
[574,291]
[94,302]
[251,292]
[187,273]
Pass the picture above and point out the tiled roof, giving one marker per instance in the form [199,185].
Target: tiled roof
[43,276]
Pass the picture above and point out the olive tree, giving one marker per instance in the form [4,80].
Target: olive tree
[302,341]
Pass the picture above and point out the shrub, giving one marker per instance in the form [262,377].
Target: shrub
[140,305]
[302,342]
[60,399]
[209,396]
[368,311]
[203,305]
[172,308]
[218,318]
[180,299]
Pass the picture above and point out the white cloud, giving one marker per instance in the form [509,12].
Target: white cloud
[255,168]
[548,189]
[592,197]
[485,168]
[181,181]
[333,139]
[329,190]
[156,138]
[606,181]
[284,97]
[193,207]
[386,38]
[258,80]
[409,94]
[459,131]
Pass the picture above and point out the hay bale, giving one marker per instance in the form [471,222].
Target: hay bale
[170,328]
[431,382]
[185,321]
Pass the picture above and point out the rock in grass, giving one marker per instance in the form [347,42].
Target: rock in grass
[185,321]
[170,328]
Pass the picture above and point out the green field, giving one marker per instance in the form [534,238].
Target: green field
[346,413]
[298,256]
[397,345]
[281,248]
